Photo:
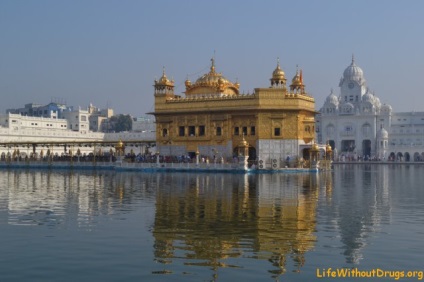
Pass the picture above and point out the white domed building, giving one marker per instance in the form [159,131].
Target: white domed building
[358,126]
[350,122]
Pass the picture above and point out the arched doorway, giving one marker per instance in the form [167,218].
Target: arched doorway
[417,157]
[252,153]
[407,157]
[399,156]
[305,154]
[366,148]
[348,145]
[332,144]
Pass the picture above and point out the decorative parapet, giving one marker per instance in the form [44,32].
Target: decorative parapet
[221,97]
[211,97]
[299,96]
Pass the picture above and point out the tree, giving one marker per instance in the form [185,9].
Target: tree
[120,123]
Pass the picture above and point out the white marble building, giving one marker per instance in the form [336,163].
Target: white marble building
[74,127]
[358,126]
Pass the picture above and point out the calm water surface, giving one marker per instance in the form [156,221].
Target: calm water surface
[107,226]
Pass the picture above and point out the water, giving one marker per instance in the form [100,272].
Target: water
[107,226]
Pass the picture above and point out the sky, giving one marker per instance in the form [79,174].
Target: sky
[109,53]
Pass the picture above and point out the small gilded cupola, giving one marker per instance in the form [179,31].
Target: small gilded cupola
[164,85]
[297,85]
[278,79]
[187,82]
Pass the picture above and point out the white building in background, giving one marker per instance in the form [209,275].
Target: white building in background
[57,123]
[98,118]
[91,119]
[142,124]
[358,126]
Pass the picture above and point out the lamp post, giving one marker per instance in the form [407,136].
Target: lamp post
[157,159]
[119,148]
[197,157]
[243,154]
[78,154]
[314,156]
[215,156]
[328,155]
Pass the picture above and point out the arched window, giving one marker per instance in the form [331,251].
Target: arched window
[330,130]
[366,130]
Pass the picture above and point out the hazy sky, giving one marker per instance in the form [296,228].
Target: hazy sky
[109,52]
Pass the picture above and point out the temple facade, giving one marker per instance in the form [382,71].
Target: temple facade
[211,118]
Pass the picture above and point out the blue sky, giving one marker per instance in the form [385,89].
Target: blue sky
[109,52]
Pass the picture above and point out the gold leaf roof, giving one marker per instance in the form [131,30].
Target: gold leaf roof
[212,83]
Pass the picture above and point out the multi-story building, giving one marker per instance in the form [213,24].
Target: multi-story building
[213,117]
[92,119]
[29,134]
[406,136]
[358,126]
[20,122]
[98,118]
[143,124]
[51,110]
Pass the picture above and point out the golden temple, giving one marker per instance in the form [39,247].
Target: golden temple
[212,117]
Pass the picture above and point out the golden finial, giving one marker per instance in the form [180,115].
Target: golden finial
[328,147]
[213,65]
[243,142]
[301,76]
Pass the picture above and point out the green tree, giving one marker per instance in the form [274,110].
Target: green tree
[120,123]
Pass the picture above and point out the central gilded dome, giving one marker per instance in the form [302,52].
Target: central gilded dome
[211,83]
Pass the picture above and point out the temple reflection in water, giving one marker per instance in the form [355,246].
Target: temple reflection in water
[361,203]
[207,219]
[217,220]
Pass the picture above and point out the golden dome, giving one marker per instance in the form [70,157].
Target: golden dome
[119,145]
[278,79]
[212,83]
[328,148]
[278,73]
[212,76]
[243,143]
[314,147]
[296,81]
[164,80]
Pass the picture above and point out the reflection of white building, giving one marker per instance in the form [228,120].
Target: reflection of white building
[358,125]
[363,212]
